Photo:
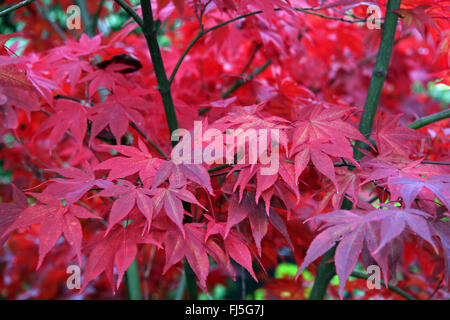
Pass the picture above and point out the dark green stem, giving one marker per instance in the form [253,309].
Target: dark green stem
[150,34]
[365,127]
[15,7]
[164,89]
[191,283]
[240,82]
[325,272]
[362,275]
[89,28]
[131,12]
[379,72]
[422,122]
[133,282]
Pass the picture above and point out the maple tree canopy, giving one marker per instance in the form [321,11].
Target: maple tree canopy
[169,147]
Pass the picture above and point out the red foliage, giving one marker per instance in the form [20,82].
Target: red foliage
[80,119]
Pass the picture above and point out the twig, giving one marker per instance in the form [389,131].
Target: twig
[15,7]
[422,122]
[362,275]
[131,12]
[135,127]
[240,82]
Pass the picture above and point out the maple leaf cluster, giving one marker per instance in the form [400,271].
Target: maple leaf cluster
[85,137]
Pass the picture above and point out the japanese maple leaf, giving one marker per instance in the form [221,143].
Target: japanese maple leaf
[136,160]
[418,17]
[70,116]
[117,249]
[392,138]
[354,228]
[128,195]
[55,220]
[178,173]
[106,78]
[117,111]
[191,244]
[441,229]
[171,199]
[410,188]
[16,92]
[78,183]
[258,218]
[10,211]
[320,134]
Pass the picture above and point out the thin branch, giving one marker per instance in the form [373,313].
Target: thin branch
[43,12]
[439,163]
[422,122]
[135,127]
[362,275]
[158,65]
[365,127]
[202,32]
[15,7]
[240,82]
[131,12]
[252,57]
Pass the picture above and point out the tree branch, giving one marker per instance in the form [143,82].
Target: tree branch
[131,12]
[240,82]
[362,275]
[158,65]
[15,7]
[365,127]
[422,122]
[133,281]
[202,32]
[379,72]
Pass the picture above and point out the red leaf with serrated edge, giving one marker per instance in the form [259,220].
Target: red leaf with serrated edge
[55,219]
[239,252]
[125,255]
[236,213]
[347,254]
[136,161]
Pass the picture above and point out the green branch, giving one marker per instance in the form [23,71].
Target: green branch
[365,127]
[379,72]
[164,88]
[422,122]
[202,31]
[133,281]
[150,34]
[362,275]
[240,82]
[135,127]
[131,12]
[15,7]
